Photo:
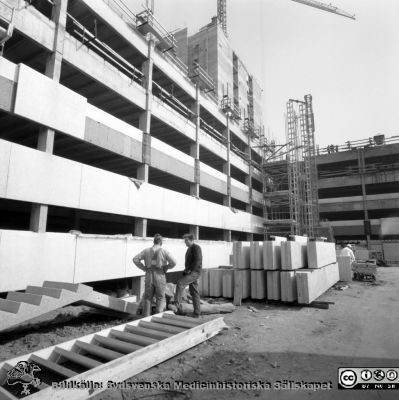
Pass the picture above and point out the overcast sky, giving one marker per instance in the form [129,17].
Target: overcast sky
[350,67]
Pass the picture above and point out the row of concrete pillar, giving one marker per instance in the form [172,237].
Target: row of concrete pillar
[39,212]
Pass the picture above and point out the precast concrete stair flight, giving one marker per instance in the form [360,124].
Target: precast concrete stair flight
[111,355]
[20,307]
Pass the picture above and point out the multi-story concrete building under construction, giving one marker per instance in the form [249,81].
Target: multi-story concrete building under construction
[104,130]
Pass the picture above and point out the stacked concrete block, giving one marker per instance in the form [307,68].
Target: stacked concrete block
[204,282]
[294,255]
[241,255]
[256,255]
[273,280]
[258,284]
[288,286]
[228,283]
[272,253]
[321,254]
[216,282]
[312,283]
[345,268]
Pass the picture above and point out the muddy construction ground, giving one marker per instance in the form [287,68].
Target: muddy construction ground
[266,342]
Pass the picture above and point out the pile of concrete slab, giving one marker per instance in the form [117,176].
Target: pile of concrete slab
[295,270]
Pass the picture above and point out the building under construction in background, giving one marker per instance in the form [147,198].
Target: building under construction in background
[357,190]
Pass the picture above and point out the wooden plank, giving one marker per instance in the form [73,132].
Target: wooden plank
[256,255]
[152,333]
[345,268]
[288,286]
[118,345]
[228,283]
[52,366]
[258,284]
[167,321]
[161,327]
[321,254]
[30,298]
[293,255]
[132,364]
[192,321]
[313,283]
[133,338]
[99,351]
[77,358]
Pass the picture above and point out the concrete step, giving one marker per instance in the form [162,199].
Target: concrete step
[51,292]
[9,306]
[72,287]
[34,299]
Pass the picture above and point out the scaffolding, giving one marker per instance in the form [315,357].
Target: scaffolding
[290,175]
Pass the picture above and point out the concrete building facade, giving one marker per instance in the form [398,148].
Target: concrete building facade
[102,131]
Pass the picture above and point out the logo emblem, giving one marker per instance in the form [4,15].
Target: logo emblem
[379,374]
[23,373]
[347,378]
[392,375]
[366,375]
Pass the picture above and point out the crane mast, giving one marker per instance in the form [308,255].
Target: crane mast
[325,7]
[222,15]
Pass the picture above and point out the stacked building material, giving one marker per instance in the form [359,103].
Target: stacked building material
[321,274]
[272,265]
[242,273]
[345,268]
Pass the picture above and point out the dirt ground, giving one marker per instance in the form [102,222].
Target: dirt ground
[273,344]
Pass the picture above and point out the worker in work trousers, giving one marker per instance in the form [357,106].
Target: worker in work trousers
[156,262]
[191,274]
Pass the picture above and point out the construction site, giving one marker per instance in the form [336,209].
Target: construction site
[114,130]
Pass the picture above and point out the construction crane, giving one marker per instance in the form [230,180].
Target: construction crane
[325,7]
[222,11]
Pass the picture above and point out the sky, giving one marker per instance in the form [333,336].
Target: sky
[351,68]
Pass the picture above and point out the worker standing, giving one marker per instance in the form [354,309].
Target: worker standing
[191,274]
[156,262]
[347,251]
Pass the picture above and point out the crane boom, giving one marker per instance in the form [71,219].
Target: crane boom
[325,7]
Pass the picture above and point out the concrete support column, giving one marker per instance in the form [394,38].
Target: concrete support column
[362,170]
[39,212]
[140,225]
[227,171]
[195,153]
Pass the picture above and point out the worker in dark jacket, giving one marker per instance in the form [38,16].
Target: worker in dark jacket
[191,274]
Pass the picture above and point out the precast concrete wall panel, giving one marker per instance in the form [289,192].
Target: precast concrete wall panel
[5,154]
[91,64]
[45,101]
[28,258]
[99,258]
[38,177]
[172,118]
[104,191]
[213,179]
